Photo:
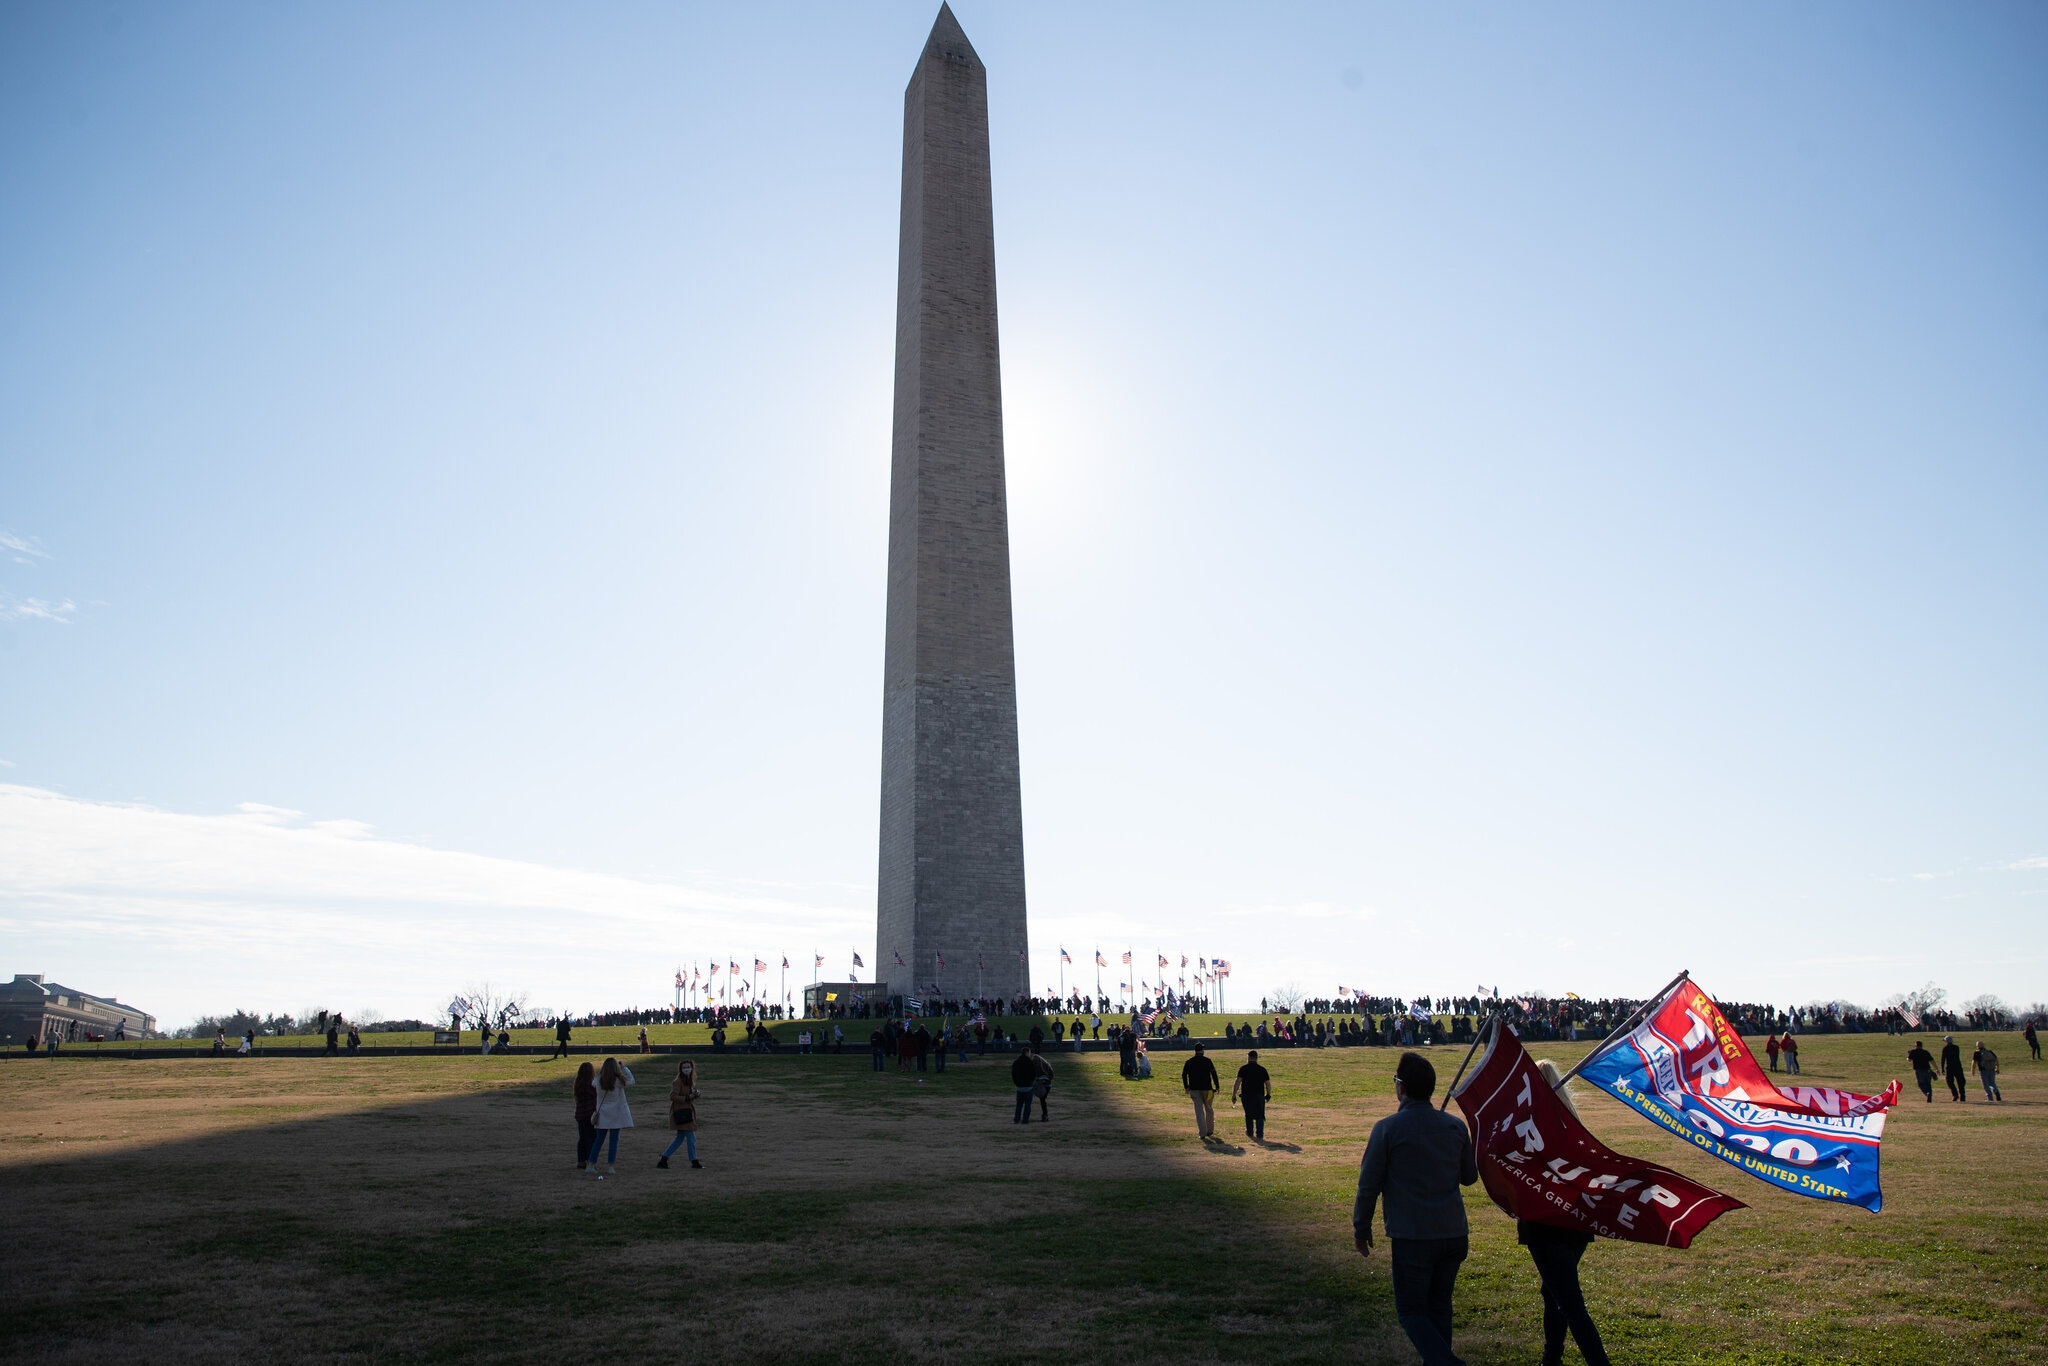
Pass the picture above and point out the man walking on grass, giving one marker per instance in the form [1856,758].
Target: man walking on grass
[1923,1068]
[1198,1078]
[1417,1158]
[1986,1063]
[1952,1069]
[1024,1076]
[562,1037]
[1252,1089]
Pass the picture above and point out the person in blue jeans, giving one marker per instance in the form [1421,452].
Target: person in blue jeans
[1024,1076]
[1417,1158]
[683,1096]
[612,1113]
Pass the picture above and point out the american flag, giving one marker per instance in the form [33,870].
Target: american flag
[760,966]
[1065,957]
[1127,955]
[819,957]
[1100,961]
[714,969]
[785,962]
[898,956]
[942,960]
[856,961]
[1162,960]
[679,975]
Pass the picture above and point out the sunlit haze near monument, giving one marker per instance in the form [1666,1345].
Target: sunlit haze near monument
[1497,496]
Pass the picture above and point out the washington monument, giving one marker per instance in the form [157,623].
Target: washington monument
[950,911]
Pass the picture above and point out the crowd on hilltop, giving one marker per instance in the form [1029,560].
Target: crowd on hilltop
[1543,1017]
[1350,1018]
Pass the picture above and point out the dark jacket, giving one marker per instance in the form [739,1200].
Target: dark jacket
[1417,1157]
[1952,1059]
[1529,1233]
[1199,1074]
[1024,1071]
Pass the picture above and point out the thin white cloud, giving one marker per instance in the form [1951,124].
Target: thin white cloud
[189,914]
[25,548]
[44,609]
[2028,864]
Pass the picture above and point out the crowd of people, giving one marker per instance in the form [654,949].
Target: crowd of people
[1416,1159]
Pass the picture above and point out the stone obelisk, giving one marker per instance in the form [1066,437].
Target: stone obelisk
[950,907]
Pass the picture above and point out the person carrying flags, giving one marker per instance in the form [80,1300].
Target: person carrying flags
[1556,1252]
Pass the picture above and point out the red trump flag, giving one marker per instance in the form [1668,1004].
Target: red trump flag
[1540,1163]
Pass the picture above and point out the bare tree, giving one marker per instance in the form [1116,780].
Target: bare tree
[487,1008]
[1989,1011]
[1286,1000]
[1926,999]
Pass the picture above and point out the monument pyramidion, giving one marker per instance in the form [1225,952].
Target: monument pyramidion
[950,902]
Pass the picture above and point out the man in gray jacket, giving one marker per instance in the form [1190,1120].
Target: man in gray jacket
[1417,1158]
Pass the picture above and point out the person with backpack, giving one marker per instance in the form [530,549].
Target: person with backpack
[611,1115]
[1986,1063]
[682,1113]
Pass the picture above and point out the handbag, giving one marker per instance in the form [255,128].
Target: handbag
[683,1114]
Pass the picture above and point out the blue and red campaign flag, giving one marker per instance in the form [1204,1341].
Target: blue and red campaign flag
[1685,1068]
[1540,1163]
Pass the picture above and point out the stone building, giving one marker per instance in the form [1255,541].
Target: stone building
[31,1008]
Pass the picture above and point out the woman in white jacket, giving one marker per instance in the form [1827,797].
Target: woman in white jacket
[613,1114]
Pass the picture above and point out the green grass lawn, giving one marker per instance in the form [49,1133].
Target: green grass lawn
[427,1208]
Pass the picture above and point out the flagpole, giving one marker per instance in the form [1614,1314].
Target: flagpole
[1478,1037]
[1634,1017]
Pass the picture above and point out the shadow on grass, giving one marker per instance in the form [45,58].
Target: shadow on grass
[843,1215]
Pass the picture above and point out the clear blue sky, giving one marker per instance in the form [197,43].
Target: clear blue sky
[1535,497]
